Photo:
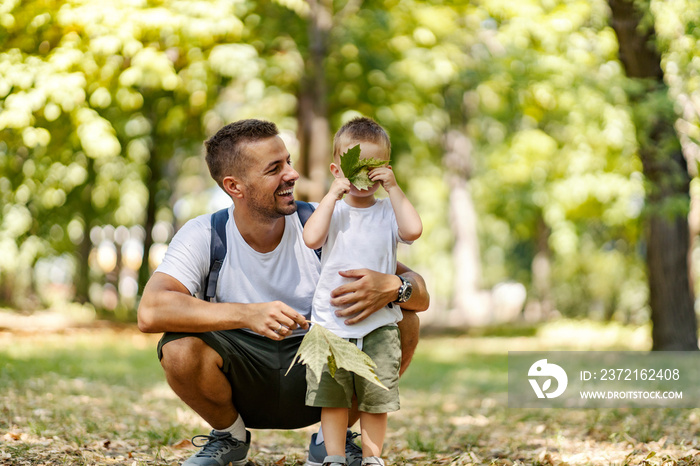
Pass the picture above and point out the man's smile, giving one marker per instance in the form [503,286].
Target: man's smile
[285,192]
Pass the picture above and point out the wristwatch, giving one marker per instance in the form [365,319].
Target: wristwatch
[405,290]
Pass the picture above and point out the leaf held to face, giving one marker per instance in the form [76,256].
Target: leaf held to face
[357,170]
[361,179]
[321,346]
[349,161]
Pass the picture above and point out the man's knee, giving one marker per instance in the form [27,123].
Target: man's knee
[186,356]
[410,333]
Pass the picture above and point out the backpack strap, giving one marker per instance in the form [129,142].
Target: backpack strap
[304,210]
[217,252]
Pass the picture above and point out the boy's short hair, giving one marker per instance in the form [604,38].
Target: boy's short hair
[225,155]
[361,129]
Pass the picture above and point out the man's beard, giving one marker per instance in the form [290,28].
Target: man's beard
[260,205]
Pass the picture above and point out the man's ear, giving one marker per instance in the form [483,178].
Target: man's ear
[233,186]
[336,171]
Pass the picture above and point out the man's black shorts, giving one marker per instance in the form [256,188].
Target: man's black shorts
[255,367]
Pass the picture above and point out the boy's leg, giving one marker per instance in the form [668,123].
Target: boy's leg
[334,422]
[373,427]
[410,333]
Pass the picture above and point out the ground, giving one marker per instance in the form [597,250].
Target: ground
[96,395]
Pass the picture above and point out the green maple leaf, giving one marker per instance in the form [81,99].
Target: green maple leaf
[314,351]
[349,357]
[357,170]
[361,179]
[320,347]
[349,161]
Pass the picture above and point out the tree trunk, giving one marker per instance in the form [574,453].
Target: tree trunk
[470,304]
[314,128]
[82,279]
[672,312]
[541,272]
[154,176]
[668,246]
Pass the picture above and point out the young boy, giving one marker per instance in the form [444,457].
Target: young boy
[360,231]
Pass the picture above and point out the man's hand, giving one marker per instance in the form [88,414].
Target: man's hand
[275,320]
[366,295]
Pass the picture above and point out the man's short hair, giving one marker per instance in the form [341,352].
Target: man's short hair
[361,129]
[225,155]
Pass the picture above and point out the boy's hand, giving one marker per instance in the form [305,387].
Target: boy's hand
[385,176]
[339,188]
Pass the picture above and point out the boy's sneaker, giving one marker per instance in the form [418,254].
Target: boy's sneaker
[353,452]
[372,460]
[219,450]
[334,461]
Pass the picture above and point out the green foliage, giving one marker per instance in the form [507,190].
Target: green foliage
[356,169]
[103,109]
[101,106]
[321,347]
[678,39]
[554,144]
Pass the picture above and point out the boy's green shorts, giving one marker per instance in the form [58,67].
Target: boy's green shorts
[383,345]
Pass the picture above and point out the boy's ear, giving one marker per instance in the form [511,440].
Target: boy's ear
[336,171]
[233,186]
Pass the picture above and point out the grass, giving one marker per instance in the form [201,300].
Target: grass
[99,397]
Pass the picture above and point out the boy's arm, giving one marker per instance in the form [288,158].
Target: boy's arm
[316,228]
[407,218]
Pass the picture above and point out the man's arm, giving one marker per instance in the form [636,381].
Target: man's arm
[420,299]
[372,291]
[167,306]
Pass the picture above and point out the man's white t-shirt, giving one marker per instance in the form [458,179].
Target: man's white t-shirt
[357,238]
[289,273]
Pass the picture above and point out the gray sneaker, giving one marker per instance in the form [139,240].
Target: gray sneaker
[334,461]
[372,460]
[221,449]
[353,452]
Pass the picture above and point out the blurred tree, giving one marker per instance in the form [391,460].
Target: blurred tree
[102,106]
[315,31]
[667,252]
[314,131]
[509,122]
[156,72]
[430,71]
[52,147]
[516,105]
[554,181]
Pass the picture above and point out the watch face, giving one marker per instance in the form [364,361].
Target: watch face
[405,291]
